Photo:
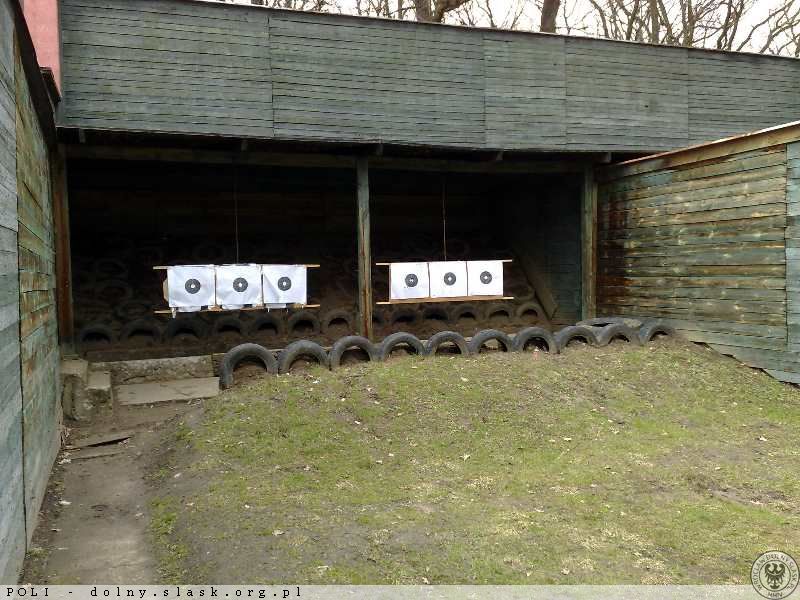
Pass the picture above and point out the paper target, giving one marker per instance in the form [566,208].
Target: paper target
[284,284]
[191,287]
[408,280]
[238,285]
[448,278]
[485,277]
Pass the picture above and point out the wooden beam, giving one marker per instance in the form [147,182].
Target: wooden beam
[588,244]
[64,301]
[429,300]
[299,159]
[364,250]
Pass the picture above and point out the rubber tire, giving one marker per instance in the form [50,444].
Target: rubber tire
[428,311]
[605,321]
[390,342]
[300,348]
[653,327]
[347,342]
[280,324]
[134,309]
[229,321]
[194,324]
[498,307]
[124,286]
[303,315]
[404,312]
[566,335]
[337,313]
[237,354]
[525,306]
[532,333]
[443,337]
[460,309]
[480,338]
[141,325]
[105,269]
[97,328]
[615,330]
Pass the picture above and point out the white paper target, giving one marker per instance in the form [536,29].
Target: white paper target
[190,287]
[238,286]
[408,280]
[284,284]
[448,278]
[485,278]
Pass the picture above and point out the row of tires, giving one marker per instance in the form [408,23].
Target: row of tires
[594,332]
[304,322]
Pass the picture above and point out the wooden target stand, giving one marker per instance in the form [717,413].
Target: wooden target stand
[217,309]
[430,299]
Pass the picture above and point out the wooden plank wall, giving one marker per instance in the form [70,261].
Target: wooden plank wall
[12,515]
[39,350]
[704,240]
[216,69]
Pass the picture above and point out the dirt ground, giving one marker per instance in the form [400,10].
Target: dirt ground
[659,464]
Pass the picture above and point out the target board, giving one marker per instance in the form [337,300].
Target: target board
[239,286]
[408,280]
[284,284]
[485,278]
[191,287]
[448,278]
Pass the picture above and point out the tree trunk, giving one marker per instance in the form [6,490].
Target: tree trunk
[654,33]
[422,8]
[549,14]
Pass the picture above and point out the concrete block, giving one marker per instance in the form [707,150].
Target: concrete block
[180,390]
[99,389]
[126,372]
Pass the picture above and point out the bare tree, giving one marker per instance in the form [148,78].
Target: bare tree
[549,15]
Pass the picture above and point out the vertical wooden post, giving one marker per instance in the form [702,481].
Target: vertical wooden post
[364,250]
[64,305]
[589,245]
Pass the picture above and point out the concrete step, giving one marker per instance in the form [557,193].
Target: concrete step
[99,389]
[126,372]
[176,390]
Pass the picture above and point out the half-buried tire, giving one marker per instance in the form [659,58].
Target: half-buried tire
[539,337]
[446,337]
[617,331]
[298,349]
[401,338]
[346,343]
[653,328]
[574,333]
[241,352]
[487,335]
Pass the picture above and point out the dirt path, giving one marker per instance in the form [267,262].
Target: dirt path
[94,521]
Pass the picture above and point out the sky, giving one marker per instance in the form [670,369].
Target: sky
[573,12]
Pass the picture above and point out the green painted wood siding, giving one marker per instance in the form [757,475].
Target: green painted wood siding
[192,67]
[38,331]
[708,240]
[12,514]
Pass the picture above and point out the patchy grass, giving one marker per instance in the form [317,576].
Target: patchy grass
[661,464]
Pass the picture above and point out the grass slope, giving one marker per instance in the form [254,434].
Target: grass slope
[657,464]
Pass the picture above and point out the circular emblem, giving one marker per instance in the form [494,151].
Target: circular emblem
[240,284]
[486,278]
[284,283]
[449,278]
[411,280]
[774,575]
[192,286]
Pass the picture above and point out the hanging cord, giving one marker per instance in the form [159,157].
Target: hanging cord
[444,215]
[236,206]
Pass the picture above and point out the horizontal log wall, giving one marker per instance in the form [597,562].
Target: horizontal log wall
[708,241]
[214,69]
[12,514]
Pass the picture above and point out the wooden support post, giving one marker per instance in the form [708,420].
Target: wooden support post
[64,303]
[364,250]
[589,245]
